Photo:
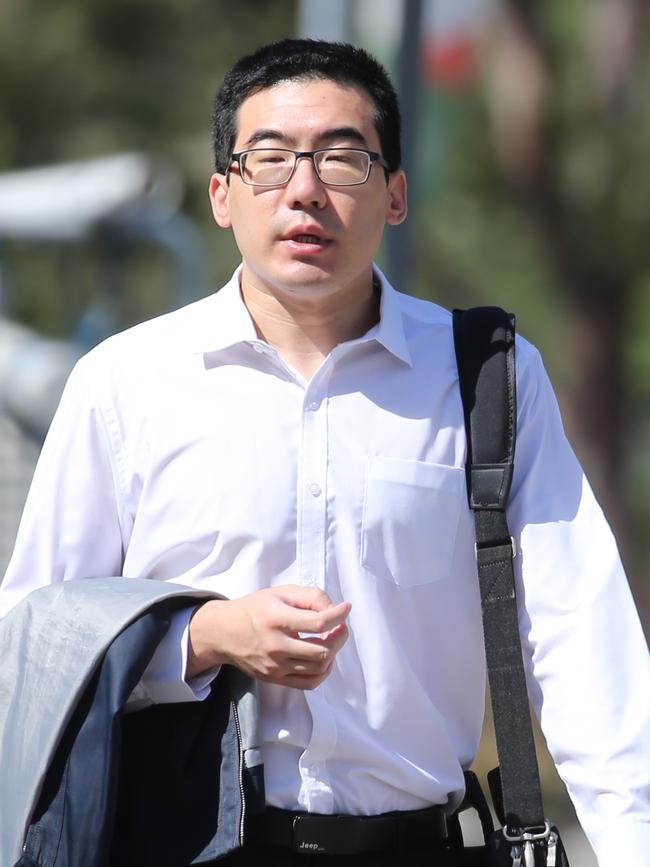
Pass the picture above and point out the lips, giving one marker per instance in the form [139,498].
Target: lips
[306,234]
[306,241]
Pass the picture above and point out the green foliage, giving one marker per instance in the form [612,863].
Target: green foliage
[492,232]
[82,78]
[86,78]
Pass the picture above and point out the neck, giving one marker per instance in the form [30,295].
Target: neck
[304,330]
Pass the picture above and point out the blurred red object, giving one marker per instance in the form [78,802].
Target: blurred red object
[451,64]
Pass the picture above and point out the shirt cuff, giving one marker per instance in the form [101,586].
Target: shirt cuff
[163,681]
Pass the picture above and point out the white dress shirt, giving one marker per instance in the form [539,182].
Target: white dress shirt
[186,449]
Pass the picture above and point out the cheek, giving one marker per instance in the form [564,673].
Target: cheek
[250,224]
[367,225]
[243,237]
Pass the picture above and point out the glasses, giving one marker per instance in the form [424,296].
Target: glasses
[274,167]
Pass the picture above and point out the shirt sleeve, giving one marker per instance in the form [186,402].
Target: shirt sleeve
[74,525]
[586,656]
[164,681]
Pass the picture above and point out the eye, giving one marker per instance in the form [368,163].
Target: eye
[340,157]
[267,158]
[271,159]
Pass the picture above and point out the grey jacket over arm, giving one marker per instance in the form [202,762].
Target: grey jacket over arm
[82,783]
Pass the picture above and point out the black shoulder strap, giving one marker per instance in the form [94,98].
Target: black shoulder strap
[484,339]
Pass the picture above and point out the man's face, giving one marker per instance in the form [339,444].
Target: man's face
[270,223]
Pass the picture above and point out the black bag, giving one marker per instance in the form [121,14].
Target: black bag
[484,339]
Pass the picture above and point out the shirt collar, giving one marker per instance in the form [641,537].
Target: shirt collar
[227,322]
[389,331]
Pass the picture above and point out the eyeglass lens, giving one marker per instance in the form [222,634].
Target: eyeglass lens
[341,167]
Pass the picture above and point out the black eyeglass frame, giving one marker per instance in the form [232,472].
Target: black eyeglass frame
[373,157]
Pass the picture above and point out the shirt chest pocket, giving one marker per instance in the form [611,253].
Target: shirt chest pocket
[410,520]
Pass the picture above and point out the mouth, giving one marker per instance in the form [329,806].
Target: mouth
[305,241]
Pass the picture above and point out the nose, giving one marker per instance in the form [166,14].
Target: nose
[305,187]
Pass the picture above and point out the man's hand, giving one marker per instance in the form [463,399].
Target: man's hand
[260,634]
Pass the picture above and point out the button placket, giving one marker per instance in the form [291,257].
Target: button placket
[311,553]
[312,479]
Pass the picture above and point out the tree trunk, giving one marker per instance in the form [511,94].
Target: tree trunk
[598,414]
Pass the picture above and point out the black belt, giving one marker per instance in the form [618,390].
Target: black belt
[316,834]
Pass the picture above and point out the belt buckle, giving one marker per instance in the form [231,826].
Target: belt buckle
[309,835]
[324,835]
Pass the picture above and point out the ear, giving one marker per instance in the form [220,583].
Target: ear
[219,199]
[397,199]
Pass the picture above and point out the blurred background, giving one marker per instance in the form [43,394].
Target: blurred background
[527,130]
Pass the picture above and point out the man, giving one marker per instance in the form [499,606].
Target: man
[296,443]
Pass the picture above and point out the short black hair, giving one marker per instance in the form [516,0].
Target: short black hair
[296,59]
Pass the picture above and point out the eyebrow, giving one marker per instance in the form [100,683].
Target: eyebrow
[342,132]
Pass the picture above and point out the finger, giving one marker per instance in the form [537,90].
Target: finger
[302,681]
[320,656]
[306,667]
[316,622]
[305,650]
[309,598]
[335,638]
[314,599]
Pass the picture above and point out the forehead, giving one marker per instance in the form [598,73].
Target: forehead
[306,109]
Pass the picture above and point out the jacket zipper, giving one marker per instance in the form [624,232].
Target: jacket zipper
[241,773]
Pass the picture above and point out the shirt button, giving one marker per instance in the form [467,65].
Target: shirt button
[315,490]
[313,405]
[258,348]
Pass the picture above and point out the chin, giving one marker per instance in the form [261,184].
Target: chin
[314,289]
[307,279]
